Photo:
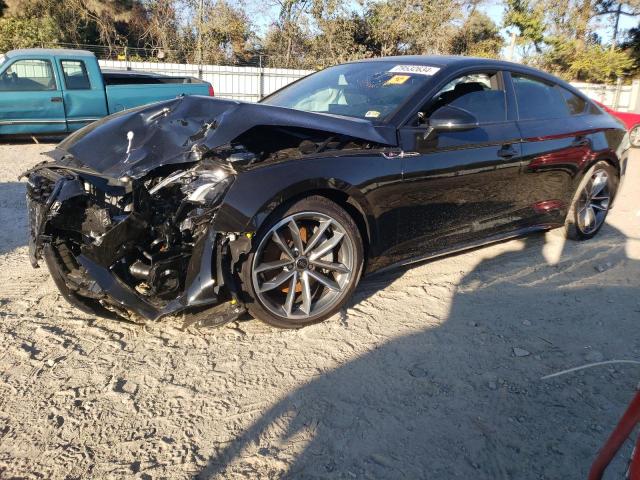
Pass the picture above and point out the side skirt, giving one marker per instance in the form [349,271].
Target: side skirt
[521,232]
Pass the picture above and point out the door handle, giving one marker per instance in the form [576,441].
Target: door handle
[507,151]
[56,99]
[580,142]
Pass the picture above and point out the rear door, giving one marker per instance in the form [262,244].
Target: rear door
[84,95]
[558,140]
[459,184]
[30,98]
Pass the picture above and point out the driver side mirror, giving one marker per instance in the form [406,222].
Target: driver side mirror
[450,119]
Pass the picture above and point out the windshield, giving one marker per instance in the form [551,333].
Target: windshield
[372,90]
[2,59]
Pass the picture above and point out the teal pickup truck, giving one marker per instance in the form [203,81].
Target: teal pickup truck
[57,91]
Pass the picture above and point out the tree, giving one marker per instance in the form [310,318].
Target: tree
[225,31]
[288,40]
[594,63]
[26,32]
[335,41]
[564,38]
[412,26]
[161,31]
[479,36]
[529,20]
[632,47]
[618,9]
[83,21]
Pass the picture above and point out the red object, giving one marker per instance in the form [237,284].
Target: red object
[622,431]
[548,205]
[211,92]
[629,119]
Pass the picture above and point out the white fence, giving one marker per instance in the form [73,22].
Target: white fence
[253,83]
[625,98]
[239,83]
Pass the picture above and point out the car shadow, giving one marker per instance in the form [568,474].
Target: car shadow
[13,215]
[30,140]
[463,398]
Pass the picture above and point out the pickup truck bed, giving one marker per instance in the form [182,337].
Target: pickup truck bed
[56,91]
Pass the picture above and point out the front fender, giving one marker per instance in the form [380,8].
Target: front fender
[257,193]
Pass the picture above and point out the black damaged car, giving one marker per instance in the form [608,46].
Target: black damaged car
[212,207]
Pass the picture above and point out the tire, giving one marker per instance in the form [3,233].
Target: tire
[591,202]
[316,280]
[634,136]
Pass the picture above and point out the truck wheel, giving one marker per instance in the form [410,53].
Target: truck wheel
[305,263]
[591,202]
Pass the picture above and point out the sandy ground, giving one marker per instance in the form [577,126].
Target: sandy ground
[431,372]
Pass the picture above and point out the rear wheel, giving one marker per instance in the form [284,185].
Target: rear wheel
[305,263]
[591,202]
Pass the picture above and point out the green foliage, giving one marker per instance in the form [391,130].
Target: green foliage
[632,47]
[528,19]
[399,27]
[593,63]
[26,32]
[479,37]
[556,36]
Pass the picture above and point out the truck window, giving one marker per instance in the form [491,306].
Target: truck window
[75,75]
[28,76]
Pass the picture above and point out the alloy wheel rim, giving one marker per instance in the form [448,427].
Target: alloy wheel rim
[303,266]
[634,136]
[593,203]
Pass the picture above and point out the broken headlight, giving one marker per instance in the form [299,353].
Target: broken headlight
[207,187]
[202,186]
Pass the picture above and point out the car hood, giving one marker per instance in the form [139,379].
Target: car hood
[134,142]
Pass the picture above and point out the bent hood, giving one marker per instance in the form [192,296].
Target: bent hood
[134,142]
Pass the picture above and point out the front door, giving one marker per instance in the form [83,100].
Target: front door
[31,99]
[84,95]
[460,184]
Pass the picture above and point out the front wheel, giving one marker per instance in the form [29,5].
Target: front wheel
[305,263]
[591,202]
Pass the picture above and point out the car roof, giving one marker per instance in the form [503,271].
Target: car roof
[48,51]
[456,62]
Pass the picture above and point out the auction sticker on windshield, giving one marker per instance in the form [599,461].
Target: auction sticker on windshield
[397,80]
[418,69]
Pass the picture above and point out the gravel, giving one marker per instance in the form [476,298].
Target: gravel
[397,385]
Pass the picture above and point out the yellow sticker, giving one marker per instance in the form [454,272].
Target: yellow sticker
[372,114]
[397,80]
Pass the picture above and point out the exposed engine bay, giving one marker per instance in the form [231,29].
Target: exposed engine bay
[123,214]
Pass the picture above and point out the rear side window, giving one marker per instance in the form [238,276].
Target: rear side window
[576,104]
[28,76]
[75,75]
[539,100]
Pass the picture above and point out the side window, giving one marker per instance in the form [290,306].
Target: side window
[75,75]
[28,76]
[539,100]
[480,94]
[576,104]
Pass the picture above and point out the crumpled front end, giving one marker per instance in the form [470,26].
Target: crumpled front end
[124,214]
[140,249]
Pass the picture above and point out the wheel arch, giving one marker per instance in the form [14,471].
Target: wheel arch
[250,218]
[609,158]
